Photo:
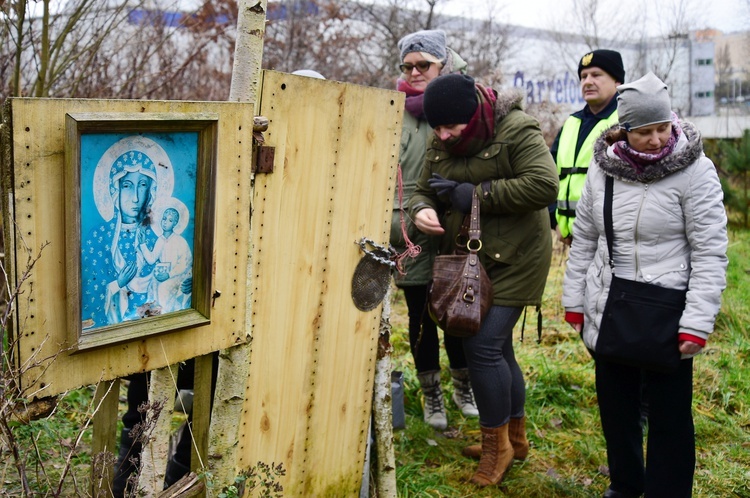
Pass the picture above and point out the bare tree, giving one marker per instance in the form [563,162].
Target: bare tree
[485,43]
[595,24]
[46,46]
[320,35]
[390,21]
[117,48]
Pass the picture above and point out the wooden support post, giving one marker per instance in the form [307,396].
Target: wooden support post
[201,411]
[154,456]
[104,437]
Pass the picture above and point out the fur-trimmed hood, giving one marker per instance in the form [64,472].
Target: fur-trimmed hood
[507,100]
[689,148]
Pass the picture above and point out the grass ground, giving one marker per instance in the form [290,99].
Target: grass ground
[568,457]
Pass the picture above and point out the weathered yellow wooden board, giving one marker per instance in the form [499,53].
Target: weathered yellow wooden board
[313,352]
[38,207]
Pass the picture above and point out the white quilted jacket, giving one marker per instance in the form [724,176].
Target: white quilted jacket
[670,230]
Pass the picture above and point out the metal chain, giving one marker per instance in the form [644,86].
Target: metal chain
[381,254]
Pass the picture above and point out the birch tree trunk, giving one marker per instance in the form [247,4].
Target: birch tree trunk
[382,408]
[248,51]
[234,363]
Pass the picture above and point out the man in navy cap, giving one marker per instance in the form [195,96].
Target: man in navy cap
[600,72]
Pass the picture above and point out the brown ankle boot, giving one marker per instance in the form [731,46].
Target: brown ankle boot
[517,437]
[472,451]
[497,456]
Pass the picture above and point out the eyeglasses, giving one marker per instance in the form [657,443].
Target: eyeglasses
[422,67]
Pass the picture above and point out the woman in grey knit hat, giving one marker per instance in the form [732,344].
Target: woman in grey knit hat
[424,56]
[669,227]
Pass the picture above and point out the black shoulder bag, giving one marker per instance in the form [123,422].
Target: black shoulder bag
[640,321]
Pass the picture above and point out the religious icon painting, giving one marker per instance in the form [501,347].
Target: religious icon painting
[140,224]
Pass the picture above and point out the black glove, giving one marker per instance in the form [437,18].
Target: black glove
[460,194]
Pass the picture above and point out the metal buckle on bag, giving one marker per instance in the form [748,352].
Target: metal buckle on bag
[462,240]
[469,295]
[479,244]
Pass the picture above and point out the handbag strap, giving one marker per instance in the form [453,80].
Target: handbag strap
[470,228]
[608,230]
[475,230]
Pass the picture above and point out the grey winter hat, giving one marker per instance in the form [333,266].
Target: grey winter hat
[431,41]
[643,102]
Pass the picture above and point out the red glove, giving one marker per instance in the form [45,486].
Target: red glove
[574,318]
[684,336]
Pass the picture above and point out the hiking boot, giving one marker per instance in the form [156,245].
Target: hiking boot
[463,396]
[434,408]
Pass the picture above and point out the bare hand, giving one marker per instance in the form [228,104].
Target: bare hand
[126,274]
[577,327]
[187,285]
[427,222]
[565,240]
[688,347]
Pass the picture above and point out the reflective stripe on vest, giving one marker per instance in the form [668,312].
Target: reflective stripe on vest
[572,169]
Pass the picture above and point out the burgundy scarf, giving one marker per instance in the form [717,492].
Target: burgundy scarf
[479,130]
[641,160]
[414,98]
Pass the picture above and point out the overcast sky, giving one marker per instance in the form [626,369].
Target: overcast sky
[726,15]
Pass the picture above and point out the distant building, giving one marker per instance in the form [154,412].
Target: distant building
[546,68]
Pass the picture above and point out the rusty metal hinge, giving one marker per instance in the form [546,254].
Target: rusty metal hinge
[264,154]
[264,157]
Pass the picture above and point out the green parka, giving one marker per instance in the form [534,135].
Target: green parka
[517,180]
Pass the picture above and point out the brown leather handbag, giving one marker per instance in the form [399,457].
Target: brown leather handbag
[461,292]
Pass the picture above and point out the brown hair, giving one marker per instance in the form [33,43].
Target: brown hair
[615,135]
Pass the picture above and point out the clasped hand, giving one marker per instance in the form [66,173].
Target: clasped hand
[460,194]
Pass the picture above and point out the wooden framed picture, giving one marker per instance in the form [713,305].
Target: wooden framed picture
[139,217]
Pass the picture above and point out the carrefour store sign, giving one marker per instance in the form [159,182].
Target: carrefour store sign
[563,90]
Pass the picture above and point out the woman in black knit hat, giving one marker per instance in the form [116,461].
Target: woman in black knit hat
[484,142]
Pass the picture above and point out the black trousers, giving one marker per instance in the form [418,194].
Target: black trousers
[670,449]
[423,334]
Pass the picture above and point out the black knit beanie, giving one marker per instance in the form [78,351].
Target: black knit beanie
[608,60]
[450,99]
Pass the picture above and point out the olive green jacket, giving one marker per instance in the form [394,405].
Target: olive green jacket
[414,135]
[418,270]
[517,180]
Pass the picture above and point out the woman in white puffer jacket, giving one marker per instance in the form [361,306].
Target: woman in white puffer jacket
[669,226]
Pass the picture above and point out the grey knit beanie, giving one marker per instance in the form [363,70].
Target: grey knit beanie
[643,102]
[431,41]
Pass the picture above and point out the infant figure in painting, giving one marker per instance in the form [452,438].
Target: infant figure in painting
[173,264]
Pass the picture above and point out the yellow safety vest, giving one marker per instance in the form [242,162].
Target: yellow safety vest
[572,170]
